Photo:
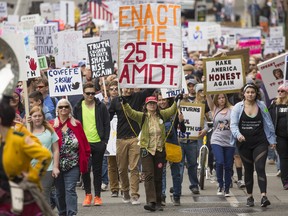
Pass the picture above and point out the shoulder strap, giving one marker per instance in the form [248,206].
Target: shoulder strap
[217,113]
[129,120]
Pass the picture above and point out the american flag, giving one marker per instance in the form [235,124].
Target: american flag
[100,11]
[84,20]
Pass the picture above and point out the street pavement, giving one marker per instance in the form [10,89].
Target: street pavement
[206,203]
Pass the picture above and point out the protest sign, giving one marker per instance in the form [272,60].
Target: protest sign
[12,27]
[193,119]
[272,73]
[13,19]
[113,37]
[64,47]
[274,45]
[167,93]
[100,58]
[224,74]
[32,65]
[276,31]
[150,47]
[3,9]
[28,21]
[286,71]
[42,62]
[46,11]
[67,9]
[82,50]
[197,41]
[111,145]
[64,82]
[43,38]
[253,43]
[241,32]
[227,40]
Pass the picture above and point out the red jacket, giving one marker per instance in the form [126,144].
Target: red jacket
[84,146]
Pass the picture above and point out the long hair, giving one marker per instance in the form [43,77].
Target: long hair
[251,85]
[215,101]
[279,100]
[72,119]
[46,125]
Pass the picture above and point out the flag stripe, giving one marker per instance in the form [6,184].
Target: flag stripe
[100,11]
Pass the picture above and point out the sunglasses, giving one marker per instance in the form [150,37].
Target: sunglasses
[280,91]
[62,107]
[90,93]
[113,89]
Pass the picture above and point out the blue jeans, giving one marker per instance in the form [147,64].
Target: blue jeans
[105,178]
[176,179]
[224,161]
[66,194]
[190,152]
[164,180]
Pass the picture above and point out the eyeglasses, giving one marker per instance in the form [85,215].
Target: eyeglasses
[281,91]
[62,107]
[40,87]
[113,89]
[90,93]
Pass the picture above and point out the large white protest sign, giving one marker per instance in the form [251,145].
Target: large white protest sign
[241,32]
[167,93]
[100,58]
[67,12]
[276,31]
[3,9]
[274,45]
[224,74]
[197,41]
[111,145]
[32,65]
[28,21]
[43,38]
[111,35]
[64,82]
[64,49]
[193,118]
[272,73]
[82,50]
[150,47]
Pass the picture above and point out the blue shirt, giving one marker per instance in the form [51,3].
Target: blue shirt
[50,105]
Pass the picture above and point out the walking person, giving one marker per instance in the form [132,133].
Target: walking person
[220,141]
[152,140]
[249,119]
[74,155]
[279,114]
[94,117]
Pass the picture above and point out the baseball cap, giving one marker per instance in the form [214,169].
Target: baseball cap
[199,87]
[81,63]
[151,99]
[192,81]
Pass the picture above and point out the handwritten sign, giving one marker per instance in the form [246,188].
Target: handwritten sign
[100,58]
[272,73]
[66,81]
[82,50]
[67,9]
[32,65]
[28,21]
[3,9]
[43,38]
[42,62]
[274,45]
[167,93]
[193,127]
[150,47]
[224,74]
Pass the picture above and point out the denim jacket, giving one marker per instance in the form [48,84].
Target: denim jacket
[267,122]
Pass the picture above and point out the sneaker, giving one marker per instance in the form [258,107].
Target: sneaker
[97,201]
[114,194]
[227,193]
[87,200]
[195,190]
[104,187]
[135,200]
[241,184]
[150,207]
[250,202]
[264,201]
[278,174]
[219,191]
[171,190]
[126,197]
[176,201]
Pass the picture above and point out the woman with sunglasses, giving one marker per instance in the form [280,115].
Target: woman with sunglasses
[74,154]
[250,119]
[49,139]
[278,111]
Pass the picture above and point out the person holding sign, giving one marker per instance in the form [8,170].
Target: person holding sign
[220,141]
[152,141]
[249,119]
[278,111]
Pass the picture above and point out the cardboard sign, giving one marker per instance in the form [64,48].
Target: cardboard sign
[167,93]
[3,9]
[100,58]
[224,74]
[274,45]
[28,21]
[193,118]
[150,46]
[113,37]
[82,50]
[111,145]
[253,43]
[272,73]
[32,65]
[67,9]
[43,38]
[46,11]
[65,81]
[42,62]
